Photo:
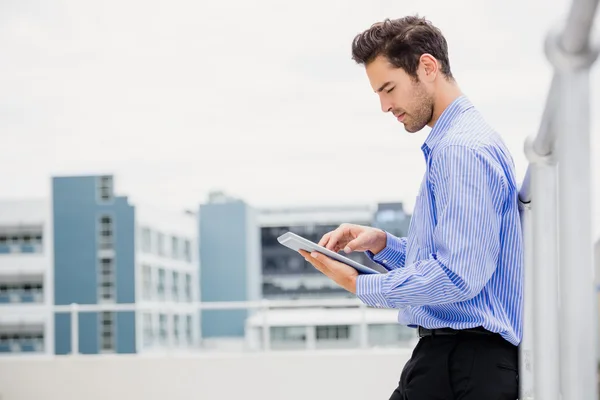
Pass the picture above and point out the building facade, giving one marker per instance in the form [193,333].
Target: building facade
[168,270]
[231,270]
[26,286]
[106,251]
[327,328]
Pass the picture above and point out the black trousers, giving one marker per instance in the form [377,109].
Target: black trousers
[466,366]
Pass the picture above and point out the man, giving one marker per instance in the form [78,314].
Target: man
[457,277]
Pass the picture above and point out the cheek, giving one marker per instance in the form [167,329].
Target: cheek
[403,101]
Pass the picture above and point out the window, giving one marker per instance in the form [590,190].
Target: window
[148,329]
[146,240]
[288,334]
[160,288]
[160,244]
[333,332]
[28,341]
[188,287]
[105,188]
[162,327]
[187,250]
[175,247]
[107,331]
[188,328]
[147,282]
[106,279]
[28,291]
[106,233]
[390,335]
[21,239]
[176,328]
[175,286]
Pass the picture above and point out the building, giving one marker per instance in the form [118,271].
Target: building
[327,328]
[286,275]
[26,286]
[168,271]
[231,269]
[108,251]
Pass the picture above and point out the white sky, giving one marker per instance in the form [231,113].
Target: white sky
[257,98]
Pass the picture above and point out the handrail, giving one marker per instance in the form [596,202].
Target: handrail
[563,354]
[576,35]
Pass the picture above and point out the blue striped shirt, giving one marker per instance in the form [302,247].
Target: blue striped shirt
[461,265]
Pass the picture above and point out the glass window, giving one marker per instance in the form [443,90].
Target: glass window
[160,288]
[175,286]
[107,336]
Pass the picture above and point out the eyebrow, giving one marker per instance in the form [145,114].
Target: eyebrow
[384,86]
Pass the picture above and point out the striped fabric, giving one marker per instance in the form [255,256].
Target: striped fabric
[461,265]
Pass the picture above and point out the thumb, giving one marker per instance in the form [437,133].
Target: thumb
[353,245]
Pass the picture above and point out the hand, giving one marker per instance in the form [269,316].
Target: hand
[338,272]
[352,237]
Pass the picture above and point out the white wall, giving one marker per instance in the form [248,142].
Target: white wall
[348,375]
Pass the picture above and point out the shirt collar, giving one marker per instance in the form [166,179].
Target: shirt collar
[457,107]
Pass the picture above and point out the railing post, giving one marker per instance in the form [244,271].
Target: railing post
[74,329]
[578,347]
[266,332]
[364,331]
[545,274]
[311,338]
[526,353]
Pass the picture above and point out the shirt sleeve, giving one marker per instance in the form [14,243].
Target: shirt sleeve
[468,194]
[393,255]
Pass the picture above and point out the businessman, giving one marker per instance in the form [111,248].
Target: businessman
[457,277]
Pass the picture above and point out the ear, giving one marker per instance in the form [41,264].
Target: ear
[428,68]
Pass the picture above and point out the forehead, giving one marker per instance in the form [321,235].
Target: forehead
[380,72]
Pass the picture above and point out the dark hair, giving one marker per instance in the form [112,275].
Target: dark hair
[402,41]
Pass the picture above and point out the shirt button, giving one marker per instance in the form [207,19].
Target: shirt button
[385,261]
[378,305]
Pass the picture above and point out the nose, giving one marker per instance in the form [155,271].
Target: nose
[386,105]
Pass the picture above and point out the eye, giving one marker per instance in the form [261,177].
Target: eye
[390,91]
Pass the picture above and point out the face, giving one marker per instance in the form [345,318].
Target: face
[409,100]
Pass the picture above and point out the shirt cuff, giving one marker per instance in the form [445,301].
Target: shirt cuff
[369,290]
[393,248]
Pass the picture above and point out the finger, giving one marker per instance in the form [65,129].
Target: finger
[335,238]
[304,253]
[314,262]
[330,267]
[354,244]
[324,239]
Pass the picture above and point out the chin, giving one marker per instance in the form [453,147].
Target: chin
[411,129]
[414,128]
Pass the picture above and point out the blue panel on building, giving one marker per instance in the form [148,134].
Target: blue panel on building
[62,329]
[77,210]
[225,265]
[28,348]
[27,248]
[27,298]
[126,332]
[89,333]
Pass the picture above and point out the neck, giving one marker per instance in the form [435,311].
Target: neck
[448,91]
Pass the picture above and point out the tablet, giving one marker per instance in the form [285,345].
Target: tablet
[295,242]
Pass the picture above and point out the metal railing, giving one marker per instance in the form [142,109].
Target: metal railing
[171,308]
[558,352]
